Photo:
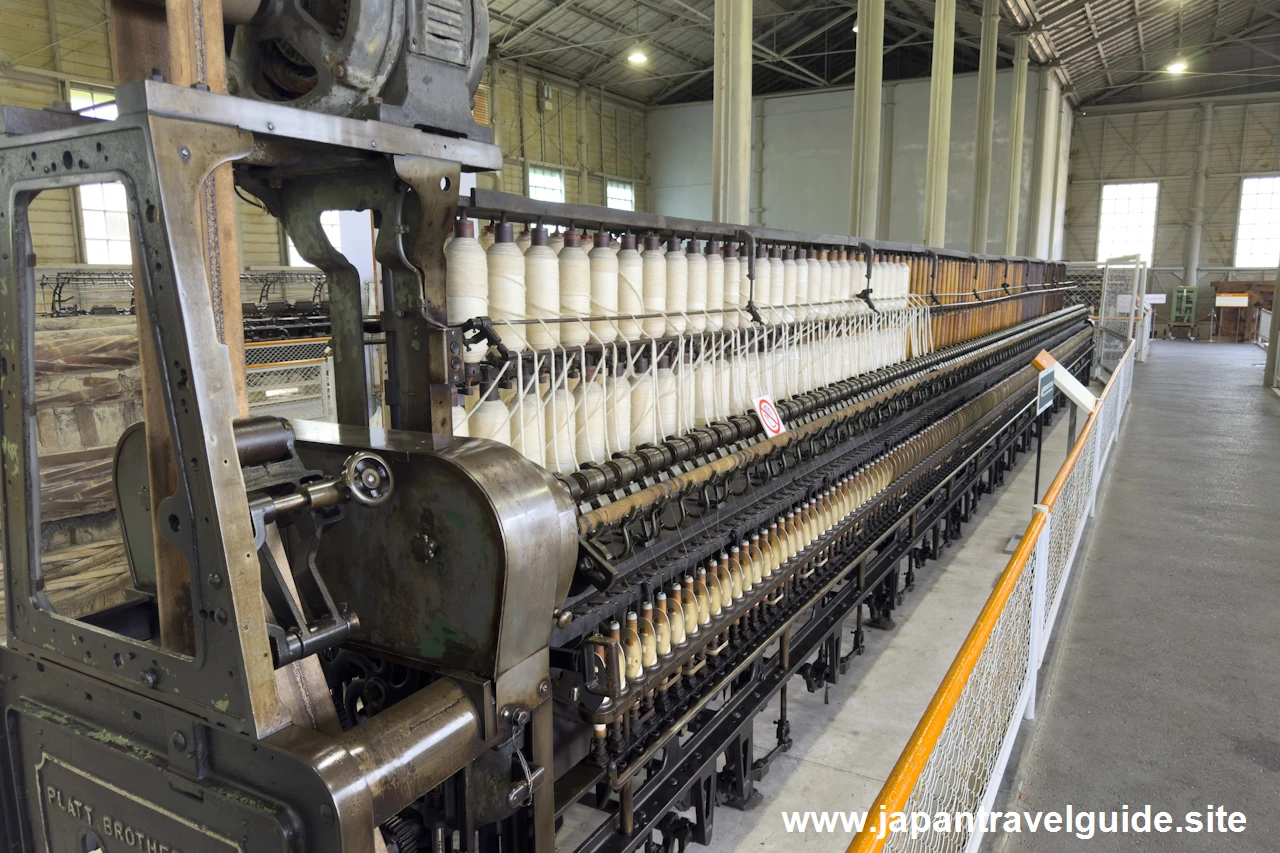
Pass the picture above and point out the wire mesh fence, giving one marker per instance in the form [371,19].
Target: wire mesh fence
[956,757]
[1087,278]
[292,379]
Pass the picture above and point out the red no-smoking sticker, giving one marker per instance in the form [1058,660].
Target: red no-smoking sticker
[769,417]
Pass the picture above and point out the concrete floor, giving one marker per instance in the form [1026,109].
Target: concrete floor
[844,751]
[1163,686]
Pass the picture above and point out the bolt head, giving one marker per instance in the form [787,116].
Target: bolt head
[544,689]
[150,677]
[179,741]
[428,547]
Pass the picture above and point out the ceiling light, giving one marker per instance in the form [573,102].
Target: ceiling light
[637,57]
[855,25]
[1176,67]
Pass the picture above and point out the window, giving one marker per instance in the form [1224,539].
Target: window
[1127,220]
[332,230]
[546,184]
[104,218]
[95,104]
[1258,232]
[620,195]
[104,210]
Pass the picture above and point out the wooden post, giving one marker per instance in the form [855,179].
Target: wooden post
[147,40]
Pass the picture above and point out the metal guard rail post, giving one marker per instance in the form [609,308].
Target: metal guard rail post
[994,674]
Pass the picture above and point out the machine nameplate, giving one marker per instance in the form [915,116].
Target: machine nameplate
[78,807]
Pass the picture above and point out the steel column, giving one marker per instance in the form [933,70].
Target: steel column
[1043,169]
[1191,254]
[867,89]
[886,162]
[1017,122]
[731,122]
[935,179]
[584,196]
[990,45]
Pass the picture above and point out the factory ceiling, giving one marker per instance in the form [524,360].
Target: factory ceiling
[1103,51]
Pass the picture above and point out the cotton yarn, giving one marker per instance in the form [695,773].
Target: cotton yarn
[507,297]
[466,282]
[575,291]
[542,283]
[777,289]
[654,288]
[697,307]
[590,420]
[618,411]
[530,439]
[715,286]
[603,285]
[644,418]
[630,288]
[677,302]
[732,286]
[490,418]
[559,432]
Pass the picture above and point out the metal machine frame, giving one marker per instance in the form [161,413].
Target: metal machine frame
[209,753]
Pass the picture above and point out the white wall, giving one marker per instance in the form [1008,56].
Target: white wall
[807,153]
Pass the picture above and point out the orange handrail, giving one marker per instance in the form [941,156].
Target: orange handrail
[906,773]
[897,789]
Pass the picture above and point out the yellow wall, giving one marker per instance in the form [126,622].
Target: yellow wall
[614,133]
[36,74]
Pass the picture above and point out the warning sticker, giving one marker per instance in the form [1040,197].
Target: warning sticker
[769,417]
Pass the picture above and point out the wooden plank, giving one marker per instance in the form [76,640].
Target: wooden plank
[77,457]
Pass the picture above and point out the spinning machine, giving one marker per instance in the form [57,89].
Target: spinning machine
[562,585]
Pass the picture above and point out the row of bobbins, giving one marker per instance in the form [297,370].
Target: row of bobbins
[713,598]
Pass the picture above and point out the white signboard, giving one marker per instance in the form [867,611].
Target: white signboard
[1044,396]
[1231,300]
[770,420]
[1155,298]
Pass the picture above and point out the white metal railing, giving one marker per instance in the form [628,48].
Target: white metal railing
[1122,298]
[958,752]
